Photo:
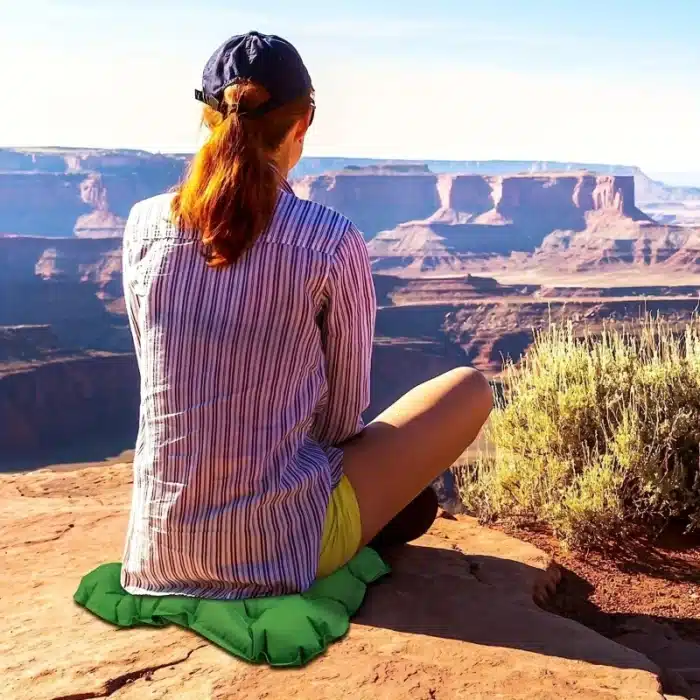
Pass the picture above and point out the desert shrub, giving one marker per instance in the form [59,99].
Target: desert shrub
[595,433]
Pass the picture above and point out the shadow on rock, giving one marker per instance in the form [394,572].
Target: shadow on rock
[482,600]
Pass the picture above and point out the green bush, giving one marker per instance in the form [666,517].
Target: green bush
[595,433]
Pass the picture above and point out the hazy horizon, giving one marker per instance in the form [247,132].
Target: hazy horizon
[452,81]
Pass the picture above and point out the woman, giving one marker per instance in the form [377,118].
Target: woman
[252,314]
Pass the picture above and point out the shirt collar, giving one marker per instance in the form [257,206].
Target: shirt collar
[285,186]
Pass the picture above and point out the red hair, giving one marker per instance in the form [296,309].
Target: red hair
[230,191]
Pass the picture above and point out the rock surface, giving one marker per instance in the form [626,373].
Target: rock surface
[456,619]
[680,658]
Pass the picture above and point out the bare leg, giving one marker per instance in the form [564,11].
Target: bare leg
[411,443]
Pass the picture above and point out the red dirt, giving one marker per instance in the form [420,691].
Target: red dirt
[658,578]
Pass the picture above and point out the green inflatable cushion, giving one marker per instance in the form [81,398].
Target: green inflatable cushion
[287,630]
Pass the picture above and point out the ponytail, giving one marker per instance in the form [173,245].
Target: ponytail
[230,191]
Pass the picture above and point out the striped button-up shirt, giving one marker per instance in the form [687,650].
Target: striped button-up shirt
[250,376]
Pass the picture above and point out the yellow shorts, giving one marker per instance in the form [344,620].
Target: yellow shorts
[342,530]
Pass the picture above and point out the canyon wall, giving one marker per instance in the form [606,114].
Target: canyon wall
[374,201]
[560,200]
[604,246]
[425,213]
[63,160]
[72,285]
[439,224]
[68,383]
[570,221]
[26,258]
[85,407]
[647,189]
[89,192]
[67,204]
[66,192]
[79,409]
[28,343]
[73,409]
[68,378]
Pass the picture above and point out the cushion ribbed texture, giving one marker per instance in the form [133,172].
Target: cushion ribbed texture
[285,630]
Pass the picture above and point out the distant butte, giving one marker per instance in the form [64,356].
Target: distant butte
[62,192]
[420,223]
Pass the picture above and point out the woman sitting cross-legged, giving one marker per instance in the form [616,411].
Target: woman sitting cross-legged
[252,313]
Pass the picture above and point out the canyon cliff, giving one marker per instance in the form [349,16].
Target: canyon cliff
[68,409]
[562,221]
[72,285]
[82,192]
[65,345]
[83,408]
[68,377]
[409,200]
[89,192]
[374,200]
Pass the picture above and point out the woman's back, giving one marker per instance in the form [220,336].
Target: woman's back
[252,314]
[249,374]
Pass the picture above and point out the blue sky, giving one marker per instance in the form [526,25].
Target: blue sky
[599,80]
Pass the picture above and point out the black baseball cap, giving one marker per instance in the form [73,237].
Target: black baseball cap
[265,59]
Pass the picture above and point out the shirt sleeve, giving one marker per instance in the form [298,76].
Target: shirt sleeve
[347,330]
